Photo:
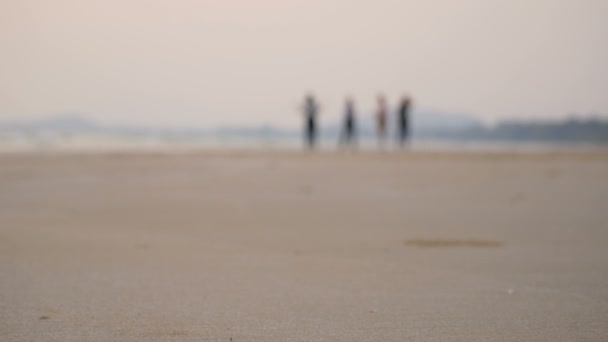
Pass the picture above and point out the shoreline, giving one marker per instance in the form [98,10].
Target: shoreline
[579,153]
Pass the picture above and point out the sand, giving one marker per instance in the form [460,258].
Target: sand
[296,246]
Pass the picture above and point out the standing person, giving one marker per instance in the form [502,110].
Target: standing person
[381,120]
[348,132]
[311,110]
[403,120]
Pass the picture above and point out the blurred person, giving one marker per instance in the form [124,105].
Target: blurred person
[403,124]
[349,129]
[381,115]
[311,110]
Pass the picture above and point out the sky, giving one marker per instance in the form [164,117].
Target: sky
[249,62]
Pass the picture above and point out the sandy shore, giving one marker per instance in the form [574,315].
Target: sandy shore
[294,246]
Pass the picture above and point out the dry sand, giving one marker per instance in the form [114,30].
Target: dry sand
[289,246]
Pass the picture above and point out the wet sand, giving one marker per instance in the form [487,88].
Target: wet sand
[296,246]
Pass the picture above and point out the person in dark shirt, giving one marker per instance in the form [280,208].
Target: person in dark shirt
[381,116]
[349,131]
[403,124]
[311,110]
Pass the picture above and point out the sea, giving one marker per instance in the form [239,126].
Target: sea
[54,142]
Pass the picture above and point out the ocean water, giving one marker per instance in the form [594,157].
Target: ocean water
[15,142]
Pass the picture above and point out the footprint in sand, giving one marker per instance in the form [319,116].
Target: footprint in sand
[430,243]
[517,199]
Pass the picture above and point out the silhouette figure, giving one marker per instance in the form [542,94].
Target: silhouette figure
[349,129]
[311,110]
[381,120]
[403,120]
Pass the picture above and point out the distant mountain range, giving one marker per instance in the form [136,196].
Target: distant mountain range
[425,124]
[592,130]
[422,122]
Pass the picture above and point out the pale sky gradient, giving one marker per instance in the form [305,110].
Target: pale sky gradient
[207,62]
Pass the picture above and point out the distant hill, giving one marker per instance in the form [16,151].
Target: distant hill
[57,124]
[74,124]
[571,130]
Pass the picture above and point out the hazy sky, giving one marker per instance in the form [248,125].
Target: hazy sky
[206,62]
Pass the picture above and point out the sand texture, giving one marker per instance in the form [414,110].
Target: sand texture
[297,246]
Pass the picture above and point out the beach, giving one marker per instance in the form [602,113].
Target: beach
[273,245]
